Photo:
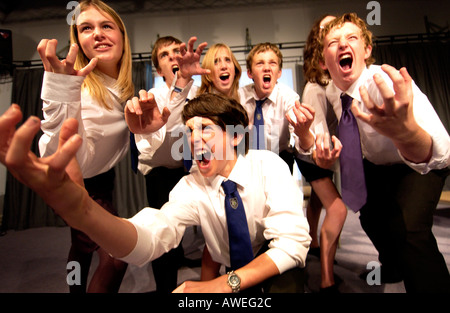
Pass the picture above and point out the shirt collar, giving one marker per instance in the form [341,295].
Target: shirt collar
[239,174]
[252,94]
[110,84]
[353,91]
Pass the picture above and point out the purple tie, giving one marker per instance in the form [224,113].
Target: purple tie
[353,184]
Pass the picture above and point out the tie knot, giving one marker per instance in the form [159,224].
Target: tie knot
[259,103]
[229,187]
[346,101]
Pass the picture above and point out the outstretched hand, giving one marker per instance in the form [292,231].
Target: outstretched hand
[46,176]
[142,114]
[301,117]
[189,60]
[392,117]
[395,117]
[324,155]
[51,62]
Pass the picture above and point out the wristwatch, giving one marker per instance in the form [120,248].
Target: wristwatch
[234,282]
[178,89]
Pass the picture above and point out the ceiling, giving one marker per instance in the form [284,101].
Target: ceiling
[18,11]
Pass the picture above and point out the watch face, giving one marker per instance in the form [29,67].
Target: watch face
[234,280]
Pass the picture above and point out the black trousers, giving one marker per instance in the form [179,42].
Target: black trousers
[159,182]
[398,218]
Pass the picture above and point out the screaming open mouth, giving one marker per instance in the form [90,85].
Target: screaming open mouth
[346,61]
[203,157]
[224,77]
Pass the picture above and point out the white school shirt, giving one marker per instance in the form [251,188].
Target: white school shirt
[271,200]
[164,146]
[104,132]
[379,149]
[277,130]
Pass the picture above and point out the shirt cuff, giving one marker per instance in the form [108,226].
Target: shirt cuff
[282,260]
[140,255]
[439,159]
[61,87]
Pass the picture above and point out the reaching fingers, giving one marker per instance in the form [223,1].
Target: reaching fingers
[88,68]
[17,154]
[406,76]
[50,55]
[149,102]
[191,42]
[64,155]
[182,49]
[10,118]
[68,129]
[71,56]
[135,105]
[370,105]
[323,145]
[8,122]
[402,83]
[337,147]
[143,95]
[42,47]
[307,110]
[386,92]
[165,114]
[200,48]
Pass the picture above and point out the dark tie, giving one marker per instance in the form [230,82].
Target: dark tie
[258,122]
[241,251]
[134,153]
[353,184]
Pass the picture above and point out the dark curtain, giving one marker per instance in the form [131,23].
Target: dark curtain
[25,209]
[428,63]
[22,207]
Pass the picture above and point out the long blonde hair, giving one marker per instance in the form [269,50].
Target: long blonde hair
[93,82]
[208,63]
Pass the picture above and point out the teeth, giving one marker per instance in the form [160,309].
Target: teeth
[199,153]
[102,46]
[203,156]
[345,56]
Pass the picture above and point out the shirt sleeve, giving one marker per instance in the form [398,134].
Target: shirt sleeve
[285,224]
[61,95]
[428,119]
[159,231]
